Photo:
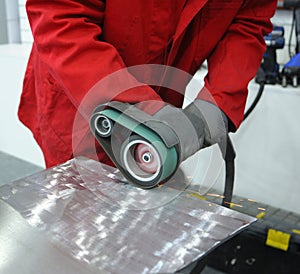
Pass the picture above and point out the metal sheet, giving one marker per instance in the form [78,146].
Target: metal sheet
[87,210]
[26,250]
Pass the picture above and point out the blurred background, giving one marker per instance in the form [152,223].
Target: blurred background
[267,165]
[267,143]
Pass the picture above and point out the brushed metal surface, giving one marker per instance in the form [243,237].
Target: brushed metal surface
[24,249]
[82,215]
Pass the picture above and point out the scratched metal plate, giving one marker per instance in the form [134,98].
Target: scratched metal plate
[89,212]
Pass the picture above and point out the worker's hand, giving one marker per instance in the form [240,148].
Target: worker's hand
[211,120]
[199,125]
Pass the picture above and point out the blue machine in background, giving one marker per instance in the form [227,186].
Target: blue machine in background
[291,70]
[269,71]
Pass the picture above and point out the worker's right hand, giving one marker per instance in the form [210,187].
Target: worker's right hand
[211,120]
[200,124]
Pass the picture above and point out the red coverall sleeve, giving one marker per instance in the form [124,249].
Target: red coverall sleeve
[237,57]
[67,37]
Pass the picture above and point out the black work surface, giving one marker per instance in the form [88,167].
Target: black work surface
[255,250]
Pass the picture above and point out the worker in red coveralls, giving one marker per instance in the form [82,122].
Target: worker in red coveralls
[78,43]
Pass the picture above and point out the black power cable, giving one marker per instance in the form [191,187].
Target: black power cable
[257,98]
[291,54]
[230,152]
[229,174]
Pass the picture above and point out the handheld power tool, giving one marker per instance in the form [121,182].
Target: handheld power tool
[148,149]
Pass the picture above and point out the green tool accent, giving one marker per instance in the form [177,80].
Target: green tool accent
[168,155]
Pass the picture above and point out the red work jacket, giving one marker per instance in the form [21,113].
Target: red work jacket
[78,43]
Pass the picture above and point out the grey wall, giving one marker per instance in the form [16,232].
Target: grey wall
[26,35]
[9,22]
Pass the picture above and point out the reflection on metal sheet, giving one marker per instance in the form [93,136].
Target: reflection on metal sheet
[91,213]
